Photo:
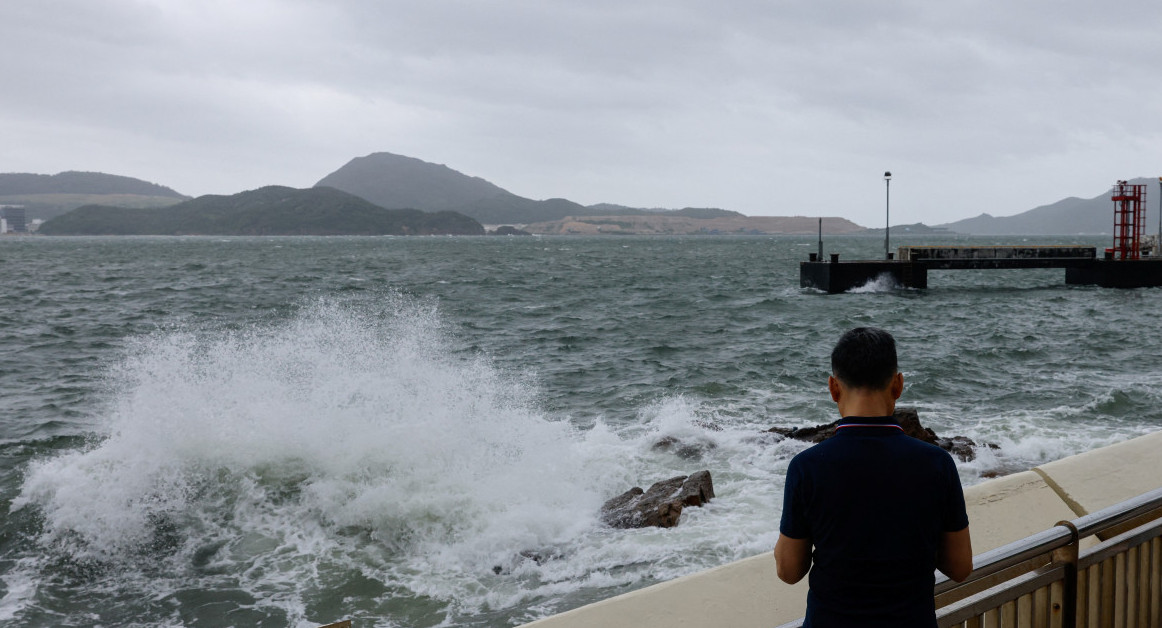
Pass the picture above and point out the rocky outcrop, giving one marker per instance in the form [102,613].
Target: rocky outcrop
[660,506]
[508,230]
[960,446]
[684,450]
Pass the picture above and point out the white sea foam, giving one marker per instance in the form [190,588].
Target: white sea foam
[882,283]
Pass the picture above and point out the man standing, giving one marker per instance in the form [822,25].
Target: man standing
[882,509]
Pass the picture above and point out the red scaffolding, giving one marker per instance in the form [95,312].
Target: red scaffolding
[1129,219]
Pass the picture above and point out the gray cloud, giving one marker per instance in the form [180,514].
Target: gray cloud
[782,107]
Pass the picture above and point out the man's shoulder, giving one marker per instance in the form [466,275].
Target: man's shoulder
[817,452]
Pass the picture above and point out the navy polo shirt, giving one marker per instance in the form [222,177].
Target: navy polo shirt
[874,503]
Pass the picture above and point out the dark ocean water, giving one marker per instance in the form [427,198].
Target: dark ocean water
[292,431]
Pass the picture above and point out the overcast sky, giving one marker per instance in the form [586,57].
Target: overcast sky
[767,107]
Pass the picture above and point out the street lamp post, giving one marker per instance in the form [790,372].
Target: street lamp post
[1158,242]
[888,211]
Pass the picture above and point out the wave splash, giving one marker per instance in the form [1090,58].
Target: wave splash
[344,439]
[884,282]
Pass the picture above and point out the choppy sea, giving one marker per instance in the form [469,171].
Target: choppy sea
[420,431]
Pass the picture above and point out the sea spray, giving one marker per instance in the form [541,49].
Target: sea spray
[271,449]
[884,282]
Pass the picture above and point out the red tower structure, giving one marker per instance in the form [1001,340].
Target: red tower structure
[1129,219]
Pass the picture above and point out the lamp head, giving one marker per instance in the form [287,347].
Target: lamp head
[888,175]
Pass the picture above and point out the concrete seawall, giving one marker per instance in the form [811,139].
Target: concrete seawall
[748,594]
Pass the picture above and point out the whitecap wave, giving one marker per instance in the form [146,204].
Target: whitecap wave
[884,282]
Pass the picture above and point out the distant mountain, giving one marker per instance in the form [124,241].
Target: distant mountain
[1069,216]
[272,210]
[45,196]
[396,181]
[72,182]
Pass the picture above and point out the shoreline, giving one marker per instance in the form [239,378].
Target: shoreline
[748,594]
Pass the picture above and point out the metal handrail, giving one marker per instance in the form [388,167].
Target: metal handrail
[1111,547]
[1033,548]
[1119,513]
[1002,558]
[974,605]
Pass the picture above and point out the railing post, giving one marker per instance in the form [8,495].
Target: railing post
[1068,557]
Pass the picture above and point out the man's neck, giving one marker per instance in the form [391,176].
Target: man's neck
[867,402]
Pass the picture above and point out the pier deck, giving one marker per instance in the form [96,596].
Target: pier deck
[912,263]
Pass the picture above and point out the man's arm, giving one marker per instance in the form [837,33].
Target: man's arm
[792,558]
[954,556]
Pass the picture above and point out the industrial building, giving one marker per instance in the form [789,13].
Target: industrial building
[14,219]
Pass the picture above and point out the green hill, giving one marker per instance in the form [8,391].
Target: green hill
[272,210]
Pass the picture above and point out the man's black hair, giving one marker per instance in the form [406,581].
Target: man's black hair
[865,357]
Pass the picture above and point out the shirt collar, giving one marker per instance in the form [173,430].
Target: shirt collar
[868,421]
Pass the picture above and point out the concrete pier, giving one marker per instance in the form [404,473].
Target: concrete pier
[748,594]
[1144,273]
[836,276]
[910,267]
[1051,256]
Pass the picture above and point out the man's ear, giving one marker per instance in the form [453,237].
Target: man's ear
[897,385]
[834,388]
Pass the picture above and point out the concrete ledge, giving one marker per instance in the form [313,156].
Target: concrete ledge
[748,594]
[1012,507]
[1103,477]
[743,594]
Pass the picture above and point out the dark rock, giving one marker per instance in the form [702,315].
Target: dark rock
[909,419]
[697,489]
[661,506]
[962,447]
[621,507]
[509,230]
[686,451]
[816,434]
